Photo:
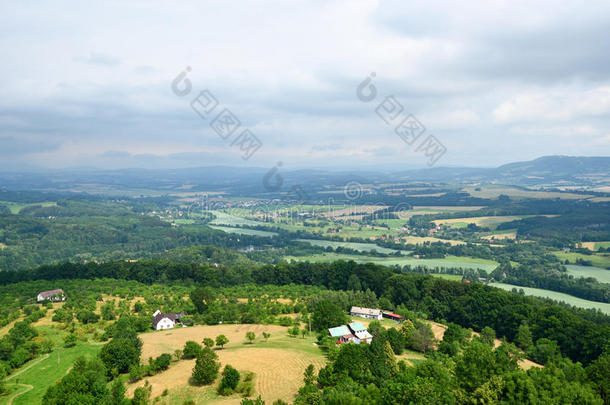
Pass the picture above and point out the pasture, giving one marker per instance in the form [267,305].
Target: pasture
[601,275]
[243,231]
[278,363]
[447,262]
[557,296]
[15,207]
[487,222]
[516,193]
[361,247]
[597,260]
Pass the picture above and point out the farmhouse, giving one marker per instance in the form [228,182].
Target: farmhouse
[366,313]
[394,317]
[52,295]
[354,332]
[166,321]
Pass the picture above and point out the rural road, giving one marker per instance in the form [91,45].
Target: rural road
[28,386]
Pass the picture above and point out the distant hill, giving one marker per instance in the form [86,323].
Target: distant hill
[567,170]
[548,171]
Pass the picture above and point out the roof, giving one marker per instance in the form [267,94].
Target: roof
[357,326]
[364,334]
[51,293]
[158,316]
[339,331]
[393,315]
[366,311]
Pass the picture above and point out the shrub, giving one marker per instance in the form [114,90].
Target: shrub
[230,379]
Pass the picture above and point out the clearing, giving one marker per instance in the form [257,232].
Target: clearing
[278,363]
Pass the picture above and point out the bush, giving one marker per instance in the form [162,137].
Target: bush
[162,362]
[206,367]
[191,350]
[230,379]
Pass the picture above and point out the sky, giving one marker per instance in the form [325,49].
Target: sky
[96,84]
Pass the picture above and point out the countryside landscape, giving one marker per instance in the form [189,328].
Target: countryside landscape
[356,202]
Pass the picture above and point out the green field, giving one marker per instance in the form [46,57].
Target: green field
[448,262]
[16,207]
[601,275]
[223,218]
[361,247]
[243,231]
[41,374]
[597,259]
[557,296]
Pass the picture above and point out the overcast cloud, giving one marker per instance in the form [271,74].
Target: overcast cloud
[85,84]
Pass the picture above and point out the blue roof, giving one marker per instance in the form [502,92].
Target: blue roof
[357,326]
[339,331]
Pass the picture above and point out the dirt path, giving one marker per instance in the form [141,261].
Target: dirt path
[32,364]
[29,388]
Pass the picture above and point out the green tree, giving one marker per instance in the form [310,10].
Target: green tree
[327,314]
[121,352]
[422,338]
[229,381]
[390,357]
[84,384]
[251,336]
[488,335]
[70,340]
[191,350]
[117,393]
[141,395]
[221,340]
[309,376]
[266,335]
[599,373]
[294,331]
[202,297]
[524,337]
[206,367]
[208,342]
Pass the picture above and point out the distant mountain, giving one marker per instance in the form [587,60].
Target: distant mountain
[548,171]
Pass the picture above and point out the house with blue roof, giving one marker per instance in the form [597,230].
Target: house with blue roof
[354,332]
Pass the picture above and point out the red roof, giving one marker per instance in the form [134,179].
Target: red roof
[393,315]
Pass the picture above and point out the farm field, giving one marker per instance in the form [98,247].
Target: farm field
[596,259]
[595,245]
[362,247]
[222,218]
[601,275]
[16,207]
[243,231]
[43,372]
[494,191]
[557,296]
[448,262]
[489,222]
[272,382]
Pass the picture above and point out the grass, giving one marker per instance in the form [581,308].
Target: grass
[48,371]
[488,222]
[595,245]
[494,191]
[361,247]
[16,207]
[243,231]
[277,363]
[448,262]
[601,275]
[596,259]
[557,296]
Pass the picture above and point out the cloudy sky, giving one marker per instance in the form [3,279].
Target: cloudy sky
[86,85]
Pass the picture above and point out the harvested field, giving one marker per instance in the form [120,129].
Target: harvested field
[278,363]
[166,341]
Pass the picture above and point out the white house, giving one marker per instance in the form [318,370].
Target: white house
[52,295]
[165,321]
[368,313]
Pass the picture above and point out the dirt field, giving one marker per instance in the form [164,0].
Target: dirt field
[278,363]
